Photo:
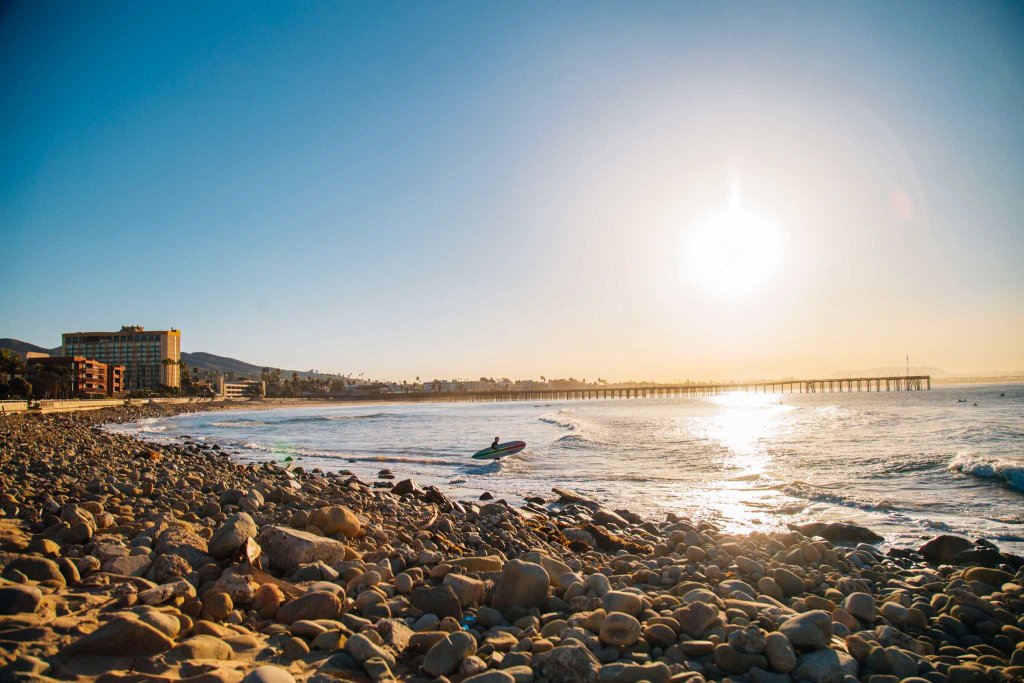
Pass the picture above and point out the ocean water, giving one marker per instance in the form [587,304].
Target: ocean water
[908,465]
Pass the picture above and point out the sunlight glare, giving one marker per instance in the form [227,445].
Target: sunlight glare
[732,253]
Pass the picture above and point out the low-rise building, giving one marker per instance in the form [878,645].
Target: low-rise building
[243,388]
[89,377]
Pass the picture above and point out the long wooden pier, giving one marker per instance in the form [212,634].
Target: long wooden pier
[783,386]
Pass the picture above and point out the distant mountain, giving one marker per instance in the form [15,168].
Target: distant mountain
[199,359]
[21,347]
[214,363]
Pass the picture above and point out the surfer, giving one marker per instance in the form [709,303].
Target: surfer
[494,446]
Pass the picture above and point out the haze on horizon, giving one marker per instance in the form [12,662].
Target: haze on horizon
[644,190]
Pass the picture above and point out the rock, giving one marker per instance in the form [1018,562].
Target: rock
[200,647]
[697,648]
[810,630]
[288,549]
[521,584]
[267,600]
[749,566]
[695,618]
[944,548]
[894,612]
[750,640]
[311,606]
[469,591]
[268,674]
[660,635]
[861,606]
[447,654]
[337,519]
[554,568]
[395,634]
[790,583]
[839,532]
[184,543]
[128,565]
[121,636]
[622,672]
[439,600]
[168,568]
[167,591]
[407,486]
[165,623]
[230,535]
[361,649]
[619,630]
[825,666]
[569,663]
[621,601]
[597,584]
[37,569]
[217,606]
[240,587]
[490,563]
[779,652]
[491,677]
[757,675]
[992,577]
[729,659]
[19,599]
[296,648]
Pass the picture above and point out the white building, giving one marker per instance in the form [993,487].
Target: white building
[243,388]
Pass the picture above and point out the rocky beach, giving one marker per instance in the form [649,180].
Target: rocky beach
[130,561]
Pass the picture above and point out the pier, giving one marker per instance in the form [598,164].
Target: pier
[782,386]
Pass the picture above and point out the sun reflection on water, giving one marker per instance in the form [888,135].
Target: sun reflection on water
[738,434]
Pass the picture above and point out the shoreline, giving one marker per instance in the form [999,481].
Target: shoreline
[132,561]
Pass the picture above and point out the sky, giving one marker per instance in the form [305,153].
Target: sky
[629,190]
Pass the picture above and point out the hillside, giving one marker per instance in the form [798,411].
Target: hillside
[214,363]
[199,359]
[21,347]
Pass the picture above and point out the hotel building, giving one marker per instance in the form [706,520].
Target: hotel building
[150,358]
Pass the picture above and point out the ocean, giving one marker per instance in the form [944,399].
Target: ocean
[909,465]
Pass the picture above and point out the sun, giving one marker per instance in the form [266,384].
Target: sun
[732,252]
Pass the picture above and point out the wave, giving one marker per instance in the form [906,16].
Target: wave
[302,419]
[236,423]
[561,419]
[574,441]
[1010,472]
[336,418]
[821,494]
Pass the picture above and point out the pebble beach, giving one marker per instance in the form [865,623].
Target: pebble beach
[126,561]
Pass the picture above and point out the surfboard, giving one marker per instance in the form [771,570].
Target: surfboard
[503,450]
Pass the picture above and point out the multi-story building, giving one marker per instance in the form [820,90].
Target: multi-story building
[150,359]
[89,377]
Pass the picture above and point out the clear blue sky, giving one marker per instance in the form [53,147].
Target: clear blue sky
[443,189]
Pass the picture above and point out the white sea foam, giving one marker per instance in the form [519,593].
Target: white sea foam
[563,418]
[821,494]
[1010,472]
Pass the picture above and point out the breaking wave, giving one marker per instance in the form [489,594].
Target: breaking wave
[1010,472]
[821,494]
[563,418]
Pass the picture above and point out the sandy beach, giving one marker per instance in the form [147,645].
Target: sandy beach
[130,561]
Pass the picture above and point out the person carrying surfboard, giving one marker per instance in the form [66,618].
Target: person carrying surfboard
[495,444]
